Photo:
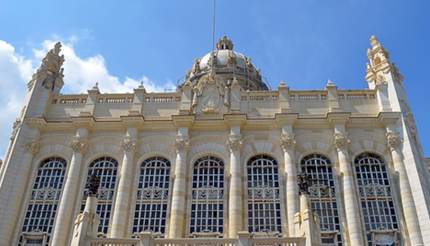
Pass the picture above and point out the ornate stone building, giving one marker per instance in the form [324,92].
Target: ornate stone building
[219,159]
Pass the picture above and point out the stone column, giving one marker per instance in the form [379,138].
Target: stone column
[355,227]
[125,186]
[292,195]
[235,208]
[177,213]
[408,205]
[66,209]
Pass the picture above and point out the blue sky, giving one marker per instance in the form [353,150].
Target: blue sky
[302,42]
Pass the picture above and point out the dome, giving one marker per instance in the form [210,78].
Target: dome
[228,64]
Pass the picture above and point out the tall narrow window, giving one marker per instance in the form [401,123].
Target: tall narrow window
[375,191]
[45,196]
[106,169]
[152,196]
[323,196]
[207,206]
[264,206]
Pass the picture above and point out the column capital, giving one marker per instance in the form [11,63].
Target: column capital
[32,146]
[393,140]
[287,141]
[340,141]
[79,144]
[129,144]
[234,142]
[182,143]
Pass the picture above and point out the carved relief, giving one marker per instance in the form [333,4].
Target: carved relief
[209,95]
[287,141]
[340,141]
[79,145]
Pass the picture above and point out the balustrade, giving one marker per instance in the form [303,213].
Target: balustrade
[149,241]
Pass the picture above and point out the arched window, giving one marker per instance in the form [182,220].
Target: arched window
[152,196]
[375,192]
[323,196]
[43,204]
[207,206]
[264,206]
[106,169]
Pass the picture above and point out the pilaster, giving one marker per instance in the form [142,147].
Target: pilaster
[408,205]
[16,173]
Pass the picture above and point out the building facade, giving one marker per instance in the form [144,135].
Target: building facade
[217,157]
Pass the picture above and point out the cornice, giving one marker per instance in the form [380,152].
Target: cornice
[247,123]
[338,117]
[388,118]
[183,120]
[235,119]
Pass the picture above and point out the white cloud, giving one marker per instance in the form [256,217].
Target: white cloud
[80,74]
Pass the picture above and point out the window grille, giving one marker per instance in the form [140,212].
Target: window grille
[106,169]
[43,204]
[375,191]
[323,196]
[152,196]
[207,206]
[264,207]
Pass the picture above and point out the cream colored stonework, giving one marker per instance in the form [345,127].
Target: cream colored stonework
[217,112]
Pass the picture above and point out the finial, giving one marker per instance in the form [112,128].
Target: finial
[224,44]
[330,83]
[374,42]
[57,48]
[282,83]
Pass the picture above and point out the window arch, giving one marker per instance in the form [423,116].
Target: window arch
[264,206]
[375,191]
[323,196]
[106,169]
[207,206]
[43,204]
[152,196]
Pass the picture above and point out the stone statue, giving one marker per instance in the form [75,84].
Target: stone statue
[304,182]
[93,185]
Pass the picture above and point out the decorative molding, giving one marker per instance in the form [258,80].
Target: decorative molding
[340,141]
[288,141]
[79,145]
[393,140]
[234,142]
